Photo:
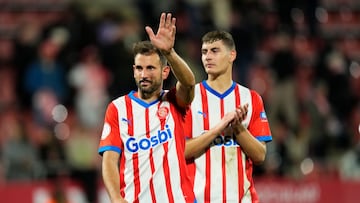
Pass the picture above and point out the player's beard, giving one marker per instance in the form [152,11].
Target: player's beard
[148,91]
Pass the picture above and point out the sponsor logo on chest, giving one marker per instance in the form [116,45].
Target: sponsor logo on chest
[133,144]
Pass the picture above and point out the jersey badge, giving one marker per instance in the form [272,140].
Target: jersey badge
[162,112]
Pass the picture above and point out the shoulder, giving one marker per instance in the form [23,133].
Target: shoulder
[170,96]
[256,96]
[253,92]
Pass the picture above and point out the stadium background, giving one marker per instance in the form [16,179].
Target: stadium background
[302,56]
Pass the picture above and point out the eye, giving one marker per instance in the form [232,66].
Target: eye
[138,68]
[150,67]
[215,50]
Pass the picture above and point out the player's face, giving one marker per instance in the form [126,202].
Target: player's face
[148,74]
[217,58]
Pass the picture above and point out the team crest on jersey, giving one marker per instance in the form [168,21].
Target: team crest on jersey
[163,112]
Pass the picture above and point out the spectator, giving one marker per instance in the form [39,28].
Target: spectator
[20,157]
[45,79]
[90,79]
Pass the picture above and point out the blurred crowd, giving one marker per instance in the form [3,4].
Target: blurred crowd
[62,62]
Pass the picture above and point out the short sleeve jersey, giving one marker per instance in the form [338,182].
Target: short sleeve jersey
[150,140]
[224,172]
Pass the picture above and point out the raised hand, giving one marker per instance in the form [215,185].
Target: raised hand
[164,39]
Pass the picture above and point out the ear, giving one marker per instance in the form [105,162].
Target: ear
[232,55]
[165,72]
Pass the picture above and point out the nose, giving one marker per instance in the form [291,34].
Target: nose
[207,56]
[144,73]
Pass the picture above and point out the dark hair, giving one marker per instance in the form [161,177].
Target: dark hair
[146,48]
[217,35]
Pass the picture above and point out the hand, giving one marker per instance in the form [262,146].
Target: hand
[225,122]
[236,124]
[241,112]
[164,39]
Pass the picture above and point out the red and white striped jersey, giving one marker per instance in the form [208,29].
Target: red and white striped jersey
[224,173]
[150,139]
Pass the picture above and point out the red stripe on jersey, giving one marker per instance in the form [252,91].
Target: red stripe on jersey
[166,167]
[239,157]
[167,174]
[205,112]
[152,166]
[205,107]
[223,166]
[135,159]
[186,177]
[190,163]
[237,96]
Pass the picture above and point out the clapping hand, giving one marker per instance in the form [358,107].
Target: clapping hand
[241,113]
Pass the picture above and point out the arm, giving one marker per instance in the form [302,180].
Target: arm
[164,40]
[111,177]
[197,146]
[252,147]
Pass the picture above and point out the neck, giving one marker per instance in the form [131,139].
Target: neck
[149,97]
[220,83]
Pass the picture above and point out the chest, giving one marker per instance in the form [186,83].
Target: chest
[143,129]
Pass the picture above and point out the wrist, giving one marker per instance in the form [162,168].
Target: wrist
[167,52]
[240,129]
[215,131]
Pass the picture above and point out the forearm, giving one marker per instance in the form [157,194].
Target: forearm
[197,146]
[185,78]
[180,69]
[252,147]
[111,178]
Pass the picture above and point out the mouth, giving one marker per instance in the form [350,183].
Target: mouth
[145,83]
[209,65]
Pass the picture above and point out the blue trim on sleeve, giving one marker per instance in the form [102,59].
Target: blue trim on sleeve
[264,138]
[109,148]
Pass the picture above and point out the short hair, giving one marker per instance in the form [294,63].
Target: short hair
[146,48]
[217,35]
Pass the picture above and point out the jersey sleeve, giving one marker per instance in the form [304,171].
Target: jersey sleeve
[110,137]
[259,125]
[171,97]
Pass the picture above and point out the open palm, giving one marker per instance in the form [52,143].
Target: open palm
[165,36]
